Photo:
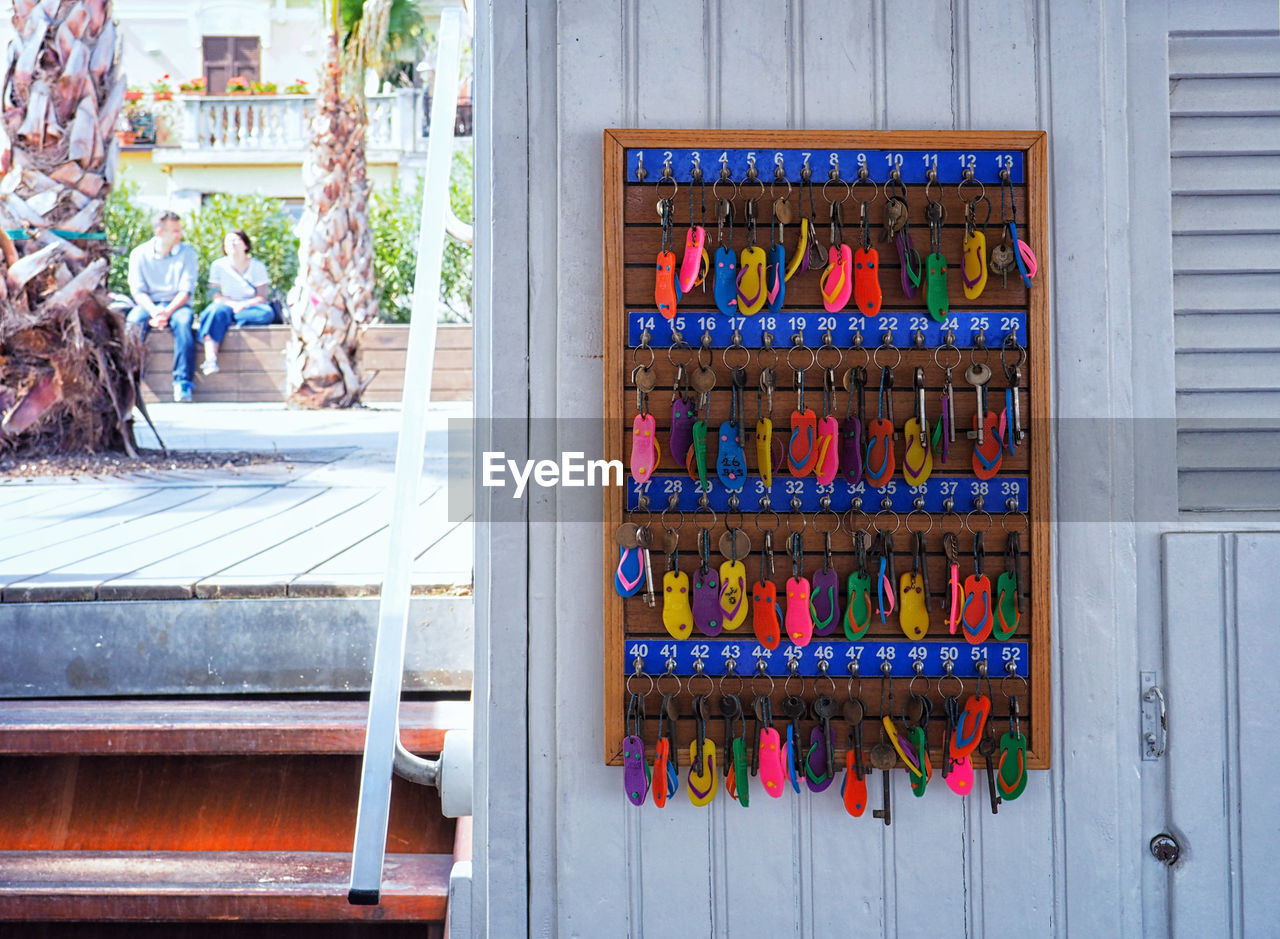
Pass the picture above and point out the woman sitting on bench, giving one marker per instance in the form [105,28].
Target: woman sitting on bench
[239,284]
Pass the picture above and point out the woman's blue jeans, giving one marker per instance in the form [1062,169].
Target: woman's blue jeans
[217,318]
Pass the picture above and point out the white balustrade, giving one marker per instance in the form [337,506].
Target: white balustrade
[280,122]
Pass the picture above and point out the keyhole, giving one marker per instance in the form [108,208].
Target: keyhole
[1165,849]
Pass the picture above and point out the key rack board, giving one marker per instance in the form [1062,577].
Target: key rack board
[1015,499]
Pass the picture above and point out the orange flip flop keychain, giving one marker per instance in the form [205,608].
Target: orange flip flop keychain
[867,294]
[880,463]
[975,611]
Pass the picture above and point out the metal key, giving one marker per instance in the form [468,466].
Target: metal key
[824,708]
[978,375]
[884,759]
[988,748]
[1002,262]
[644,541]
[794,708]
[854,714]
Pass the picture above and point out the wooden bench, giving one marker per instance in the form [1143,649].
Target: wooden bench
[253,365]
[210,810]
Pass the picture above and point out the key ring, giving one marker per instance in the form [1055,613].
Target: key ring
[762,672]
[949,345]
[1014,513]
[793,671]
[828,345]
[928,517]
[743,186]
[677,342]
[715,192]
[642,674]
[897,523]
[969,180]
[670,673]
[699,672]
[886,345]
[954,677]
[736,344]
[1011,344]
[1011,672]
[977,511]
[848,190]
[731,671]
[864,179]
[823,668]
[799,346]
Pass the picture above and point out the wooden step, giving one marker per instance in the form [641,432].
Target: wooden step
[187,886]
[93,727]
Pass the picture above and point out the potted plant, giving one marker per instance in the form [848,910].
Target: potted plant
[161,90]
[134,93]
[193,86]
[263,88]
[298,87]
[237,85]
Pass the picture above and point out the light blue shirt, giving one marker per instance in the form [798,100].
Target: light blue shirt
[162,277]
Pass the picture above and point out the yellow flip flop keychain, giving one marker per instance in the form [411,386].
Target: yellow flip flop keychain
[913,598]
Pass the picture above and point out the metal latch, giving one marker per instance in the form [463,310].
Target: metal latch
[1155,727]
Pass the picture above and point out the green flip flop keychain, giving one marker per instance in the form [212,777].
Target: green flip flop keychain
[935,291]
[1007,604]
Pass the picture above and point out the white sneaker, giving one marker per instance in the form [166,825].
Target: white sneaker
[210,367]
[182,391]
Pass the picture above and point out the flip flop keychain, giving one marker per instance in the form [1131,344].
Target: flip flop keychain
[802,447]
[812,255]
[703,778]
[695,262]
[1011,765]
[706,585]
[975,611]
[828,428]
[884,574]
[819,760]
[957,771]
[913,614]
[917,458]
[737,775]
[836,284]
[973,268]
[770,452]
[988,426]
[684,410]
[677,613]
[765,620]
[955,594]
[1008,605]
[799,615]
[725,283]
[768,752]
[824,589]
[1018,255]
[1014,434]
[731,461]
[776,273]
[636,771]
[857,610]
[666,289]
[752,289]
[645,451]
[628,578]
[897,227]
[971,722]
[880,463]
[944,432]
[852,446]
[703,381]
[867,295]
[853,790]
[734,545]
[666,777]
[935,294]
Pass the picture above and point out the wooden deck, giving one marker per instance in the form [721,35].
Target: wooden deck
[316,525]
[252,363]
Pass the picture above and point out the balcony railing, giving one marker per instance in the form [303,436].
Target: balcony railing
[280,122]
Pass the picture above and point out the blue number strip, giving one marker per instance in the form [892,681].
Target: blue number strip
[963,489]
[913,164]
[902,328]
[869,654]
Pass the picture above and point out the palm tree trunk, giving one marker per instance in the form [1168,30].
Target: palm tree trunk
[332,300]
[67,366]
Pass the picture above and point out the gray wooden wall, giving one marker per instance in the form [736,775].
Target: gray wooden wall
[1070,856]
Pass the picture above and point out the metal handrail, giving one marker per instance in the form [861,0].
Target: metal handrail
[384,754]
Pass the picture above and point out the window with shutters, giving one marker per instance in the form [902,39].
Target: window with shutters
[1225,147]
[225,56]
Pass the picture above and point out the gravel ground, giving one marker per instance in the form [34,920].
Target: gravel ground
[114,464]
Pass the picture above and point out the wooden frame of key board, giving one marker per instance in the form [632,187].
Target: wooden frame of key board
[1033,145]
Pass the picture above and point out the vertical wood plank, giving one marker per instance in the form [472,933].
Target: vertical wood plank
[917,65]
[929,835]
[760,847]
[589,95]
[839,77]
[753,80]
[1258,746]
[858,879]
[675,869]
[672,67]
[1021,834]
[1001,66]
[1196,624]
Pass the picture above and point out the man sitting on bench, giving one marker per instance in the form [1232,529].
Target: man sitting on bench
[162,277]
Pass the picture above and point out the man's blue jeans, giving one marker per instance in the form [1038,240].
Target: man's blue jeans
[217,318]
[184,342]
